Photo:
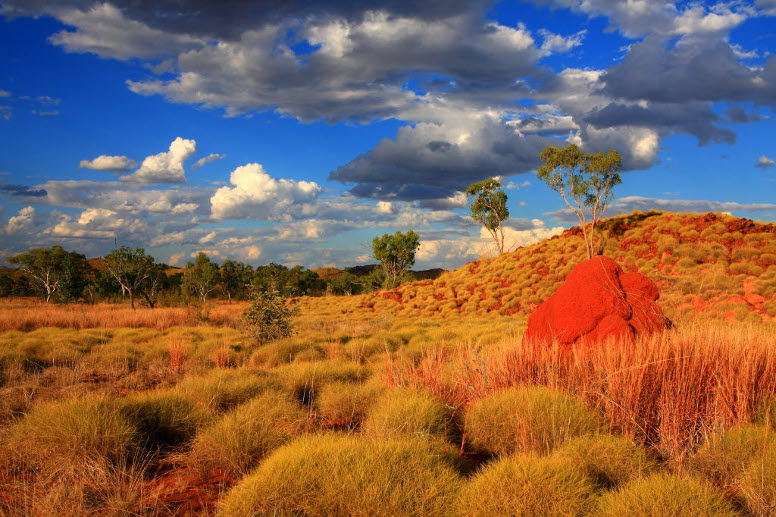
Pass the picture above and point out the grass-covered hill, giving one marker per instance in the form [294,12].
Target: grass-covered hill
[716,263]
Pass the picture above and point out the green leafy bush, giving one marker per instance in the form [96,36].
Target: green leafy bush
[267,318]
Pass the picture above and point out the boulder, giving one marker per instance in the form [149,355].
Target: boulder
[598,302]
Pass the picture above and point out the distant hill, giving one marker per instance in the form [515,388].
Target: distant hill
[330,273]
[716,263]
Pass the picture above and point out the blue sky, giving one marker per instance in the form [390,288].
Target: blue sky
[299,132]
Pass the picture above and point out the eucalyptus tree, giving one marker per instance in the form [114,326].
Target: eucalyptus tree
[489,207]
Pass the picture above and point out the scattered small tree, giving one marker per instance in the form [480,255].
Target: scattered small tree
[201,276]
[395,253]
[134,270]
[489,208]
[267,318]
[585,182]
[234,277]
[46,268]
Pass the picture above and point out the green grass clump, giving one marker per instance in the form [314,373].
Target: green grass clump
[305,379]
[608,460]
[238,441]
[406,412]
[65,435]
[527,486]
[335,475]
[221,390]
[347,403]
[164,419]
[758,483]
[726,455]
[664,494]
[527,419]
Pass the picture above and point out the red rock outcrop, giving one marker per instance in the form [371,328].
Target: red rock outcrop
[598,302]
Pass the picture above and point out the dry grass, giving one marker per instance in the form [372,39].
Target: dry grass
[29,314]
[668,391]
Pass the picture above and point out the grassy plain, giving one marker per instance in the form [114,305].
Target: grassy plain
[376,408]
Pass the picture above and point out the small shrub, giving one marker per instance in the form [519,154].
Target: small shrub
[665,494]
[407,412]
[331,475]
[267,318]
[246,434]
[608,460]
[527,486]
[526,419]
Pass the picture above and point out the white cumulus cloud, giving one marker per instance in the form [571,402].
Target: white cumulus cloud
[257,195]
[763,162]
[22,222]
[165,167]
[109,163]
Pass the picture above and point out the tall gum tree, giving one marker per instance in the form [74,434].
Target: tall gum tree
[489,208]
[585,182]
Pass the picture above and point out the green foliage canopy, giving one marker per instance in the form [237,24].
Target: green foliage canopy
[395,253]
[53,269]
[489,208]
[134,270]
[201,276]
[267,318]
[584,181]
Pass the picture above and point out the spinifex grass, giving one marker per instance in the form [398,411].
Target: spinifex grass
[667,391]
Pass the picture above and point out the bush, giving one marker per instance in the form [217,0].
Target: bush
[245,435]
[665,494]
[608,460]
[64,435]
[347,403]
[267,318]
[223,389]
[163,419]
[527,486]
[526,419]
[331,475]
[407,412]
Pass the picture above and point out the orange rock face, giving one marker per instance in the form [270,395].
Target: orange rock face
[598,302]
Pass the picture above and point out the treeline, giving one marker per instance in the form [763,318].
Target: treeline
[61,276]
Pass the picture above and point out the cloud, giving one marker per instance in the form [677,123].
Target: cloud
[105,31]
[207,159]
[23,191]
[165,167]
[256,195]
[109,163]
[100,223]
[763,162]
[555,43]
[438,161]
[22,222]
[4,93]
[628,204]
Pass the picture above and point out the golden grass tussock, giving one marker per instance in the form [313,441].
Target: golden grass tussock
[758,483]
[407,412]
[527,419]
[63,436]
[666,494]
[608,460]
[527,486]
[221,390]
[346,404]
[164,419]
[304,379]
[335,475]
[243,436]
